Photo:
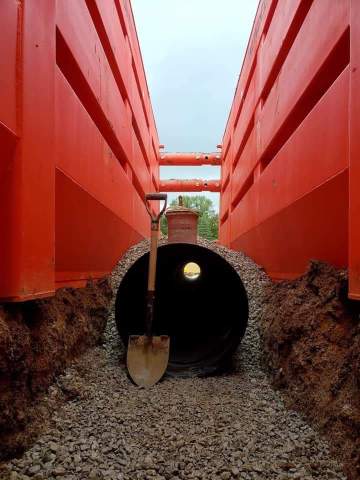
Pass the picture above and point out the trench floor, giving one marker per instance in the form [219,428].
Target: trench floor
[233,426]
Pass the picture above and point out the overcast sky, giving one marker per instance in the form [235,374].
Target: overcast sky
[192,51]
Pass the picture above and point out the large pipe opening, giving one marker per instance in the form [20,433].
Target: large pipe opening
[203,309]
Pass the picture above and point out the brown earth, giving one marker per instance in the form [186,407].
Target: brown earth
[37,340]
[310,334]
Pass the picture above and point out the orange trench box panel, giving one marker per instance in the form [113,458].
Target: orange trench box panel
[79,146]
[290,153]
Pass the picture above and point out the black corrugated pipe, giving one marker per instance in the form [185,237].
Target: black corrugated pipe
[205,317]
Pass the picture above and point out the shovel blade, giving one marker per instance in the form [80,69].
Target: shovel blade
[147,358]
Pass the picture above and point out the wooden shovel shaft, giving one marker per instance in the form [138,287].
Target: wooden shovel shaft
[153,256]
[151,279]
[155,221]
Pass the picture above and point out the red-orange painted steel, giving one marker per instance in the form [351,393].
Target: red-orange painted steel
[80,148]
[354,212]
[190,159]
[27,171]
[285,150]
[78,141]
[192,185]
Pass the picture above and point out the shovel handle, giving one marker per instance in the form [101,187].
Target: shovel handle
[153,257]
[156,196]
[155,219]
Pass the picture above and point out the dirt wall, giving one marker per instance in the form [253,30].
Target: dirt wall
[310,335]
[37,340]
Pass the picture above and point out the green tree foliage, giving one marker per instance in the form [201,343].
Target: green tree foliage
[164,225]
[208,225]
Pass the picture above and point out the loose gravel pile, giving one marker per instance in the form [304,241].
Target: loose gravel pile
[226,427]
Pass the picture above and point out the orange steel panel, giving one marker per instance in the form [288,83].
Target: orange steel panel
[139,164]
[277,37]
[245,165]
[225,201]
[227,136]
[104,99]
[87,159]
[103,177]
[125,12]
[290,158]
[113,39]
[85,225]
[9,97]
[9,214]
[263,14]
[247,112]
[224,232]
[354,217]
[303,164]
[262,18]
[75,112]
[140,124]
[312,46]
[226,161]
[28,231]
[307,229]
[9,17]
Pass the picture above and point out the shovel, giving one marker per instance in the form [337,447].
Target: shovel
[147,355]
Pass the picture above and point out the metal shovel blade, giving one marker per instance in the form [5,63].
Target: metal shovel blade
[147,358]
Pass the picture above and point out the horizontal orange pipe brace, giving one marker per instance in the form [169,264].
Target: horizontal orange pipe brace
[193,185]
[179,159]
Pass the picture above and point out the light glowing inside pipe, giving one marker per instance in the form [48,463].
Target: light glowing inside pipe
[192,271]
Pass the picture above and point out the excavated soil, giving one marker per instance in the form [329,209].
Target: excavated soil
[310,334]
[37,340]
[233,426]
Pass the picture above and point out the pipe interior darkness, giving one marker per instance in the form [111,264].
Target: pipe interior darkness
[204,317]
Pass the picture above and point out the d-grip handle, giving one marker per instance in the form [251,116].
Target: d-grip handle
[155,196]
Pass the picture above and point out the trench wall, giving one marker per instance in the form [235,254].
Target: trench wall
[78,141]
[290,149]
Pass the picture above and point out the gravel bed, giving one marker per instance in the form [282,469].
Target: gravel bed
[226,427]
